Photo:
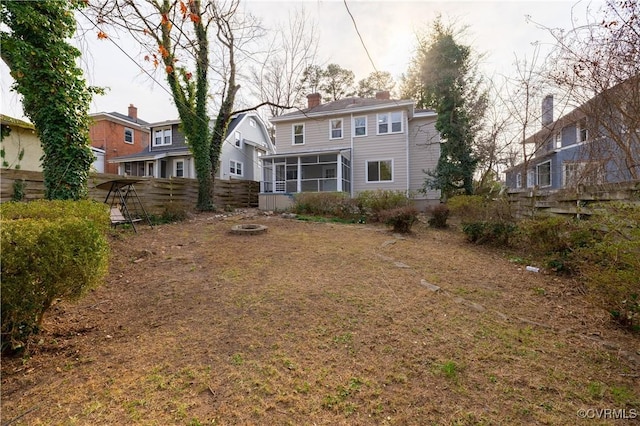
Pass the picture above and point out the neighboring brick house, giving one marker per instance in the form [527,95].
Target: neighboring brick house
[118,134]
[169,155]
[352,145]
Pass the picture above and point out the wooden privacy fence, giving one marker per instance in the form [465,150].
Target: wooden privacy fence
[155,194]
[571,201]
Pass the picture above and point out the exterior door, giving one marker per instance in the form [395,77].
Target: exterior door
[280,183]
[329,178]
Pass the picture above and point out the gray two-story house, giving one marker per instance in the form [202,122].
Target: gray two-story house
[598,142]
[351,145]
[168,154]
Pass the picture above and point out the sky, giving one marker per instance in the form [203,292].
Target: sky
[497,29]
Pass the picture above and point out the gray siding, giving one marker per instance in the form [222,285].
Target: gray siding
[316,135]
[374,147]
[424,152]
[247,155]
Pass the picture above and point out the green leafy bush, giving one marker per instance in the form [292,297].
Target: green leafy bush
[50,250]
[401,218]
[493,233]
[57,209]
[439,216]
[372,203]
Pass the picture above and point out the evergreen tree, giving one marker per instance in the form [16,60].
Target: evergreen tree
[448,83]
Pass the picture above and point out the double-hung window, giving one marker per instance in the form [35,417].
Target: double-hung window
[583,132]
[162,137]
[298,134]
[235,168]
[543,174]
[390,122]
[238,139]
[380,171]
[360,126]
[128,135]
[335,128]
[180,168]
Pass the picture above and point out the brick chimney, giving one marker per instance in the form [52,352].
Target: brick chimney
[313,100]
[383,95]
[133,112]
[547,110]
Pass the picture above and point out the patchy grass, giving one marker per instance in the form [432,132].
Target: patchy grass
[315,323]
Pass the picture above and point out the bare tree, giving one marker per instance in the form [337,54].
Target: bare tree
[278,77]
[598,65]
[175,35]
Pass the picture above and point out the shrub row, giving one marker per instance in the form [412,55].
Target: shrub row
[604,251]
[391,207]
[50,250]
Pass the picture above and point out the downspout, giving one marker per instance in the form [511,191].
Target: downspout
[407,153]
[351,182]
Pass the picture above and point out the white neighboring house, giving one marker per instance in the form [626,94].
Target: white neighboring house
[168,154]
[352,145]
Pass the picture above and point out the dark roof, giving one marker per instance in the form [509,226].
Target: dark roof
[344,104]
[234,123]
[127,118]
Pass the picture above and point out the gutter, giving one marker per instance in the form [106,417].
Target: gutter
[352,163]
[408,171]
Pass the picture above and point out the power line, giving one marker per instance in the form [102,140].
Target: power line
[250,160]
[360,35]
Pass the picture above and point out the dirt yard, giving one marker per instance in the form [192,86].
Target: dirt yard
[321,324]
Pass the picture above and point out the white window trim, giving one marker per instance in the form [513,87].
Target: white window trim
[237,139]
[531,178]
[252,122]
[234,165]
[331,128]
[175,168]
[164,131]
[293,134]
[389,123]
[580,128]
[128,129]
[378,160]
[557,140]
[519,180]
[365,126]
[538,174]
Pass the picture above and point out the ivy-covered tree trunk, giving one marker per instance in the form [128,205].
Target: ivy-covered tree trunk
[191,96]
[55,96]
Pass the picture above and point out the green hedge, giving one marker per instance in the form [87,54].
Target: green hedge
[50,250]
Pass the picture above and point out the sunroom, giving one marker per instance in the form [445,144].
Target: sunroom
[318,171]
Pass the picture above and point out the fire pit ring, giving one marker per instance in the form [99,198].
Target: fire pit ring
[248,229]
